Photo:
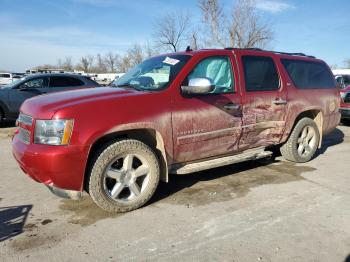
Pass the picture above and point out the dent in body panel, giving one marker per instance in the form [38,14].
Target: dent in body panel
[263,122]
[204,128]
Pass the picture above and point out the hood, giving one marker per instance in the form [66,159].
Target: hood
[45,106]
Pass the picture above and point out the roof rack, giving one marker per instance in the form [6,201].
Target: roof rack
[276,52]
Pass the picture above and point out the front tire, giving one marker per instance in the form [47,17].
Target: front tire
[124,176]
[302,143]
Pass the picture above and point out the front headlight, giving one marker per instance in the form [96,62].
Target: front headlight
[53,132]
[342,95]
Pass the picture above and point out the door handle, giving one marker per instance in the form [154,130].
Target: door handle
[279,101]
[232,106]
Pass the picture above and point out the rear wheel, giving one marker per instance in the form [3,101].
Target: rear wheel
[302,143]
[124,176]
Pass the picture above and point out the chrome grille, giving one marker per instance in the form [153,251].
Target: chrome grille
[25,119]
[24,135]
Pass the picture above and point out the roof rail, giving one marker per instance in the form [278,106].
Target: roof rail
[271,51]
[250,48]
[297,54]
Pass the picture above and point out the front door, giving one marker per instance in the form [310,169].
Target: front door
[264,100]
[208,125]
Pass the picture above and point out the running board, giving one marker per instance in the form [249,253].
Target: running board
[251,154]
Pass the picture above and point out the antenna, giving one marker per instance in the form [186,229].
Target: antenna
[188,49]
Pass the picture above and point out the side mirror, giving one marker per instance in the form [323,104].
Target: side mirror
[198,86]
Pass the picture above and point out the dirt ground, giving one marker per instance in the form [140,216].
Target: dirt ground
[267,210]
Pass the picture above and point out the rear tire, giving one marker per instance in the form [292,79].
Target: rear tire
[302,143]
[124,176]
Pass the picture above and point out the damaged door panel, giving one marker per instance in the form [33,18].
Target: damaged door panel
[264,100]
[210,124]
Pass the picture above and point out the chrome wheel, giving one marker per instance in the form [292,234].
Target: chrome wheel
[307,141]
[126,178]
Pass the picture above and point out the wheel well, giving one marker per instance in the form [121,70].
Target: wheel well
[317,116]
[150,137]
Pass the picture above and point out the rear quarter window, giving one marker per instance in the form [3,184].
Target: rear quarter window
[64,81]
[308,74]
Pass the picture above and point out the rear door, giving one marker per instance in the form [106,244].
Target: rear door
[264,99]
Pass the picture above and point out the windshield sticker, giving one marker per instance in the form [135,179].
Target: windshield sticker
[170,61]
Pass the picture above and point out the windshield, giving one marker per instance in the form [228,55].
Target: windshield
[153,74]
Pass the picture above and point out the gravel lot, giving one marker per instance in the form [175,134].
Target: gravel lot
[268,210]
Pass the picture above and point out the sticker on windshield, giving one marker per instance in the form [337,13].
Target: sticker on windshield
[170,61]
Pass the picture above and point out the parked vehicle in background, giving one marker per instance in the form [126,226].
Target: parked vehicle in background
[345,108]
[342,77]
[5,78]
[14,94]
[176,114]
[340,81]
[105,79]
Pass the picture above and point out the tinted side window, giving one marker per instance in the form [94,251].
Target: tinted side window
[260,73]
[218,70]
[62,81]
[74,81]
[307,75]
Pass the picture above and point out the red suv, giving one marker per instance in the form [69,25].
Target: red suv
[176,114]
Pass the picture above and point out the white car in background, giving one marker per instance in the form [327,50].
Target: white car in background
[5,78]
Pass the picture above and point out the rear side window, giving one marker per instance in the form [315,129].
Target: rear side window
[61,81]
[260,73]
[309,75]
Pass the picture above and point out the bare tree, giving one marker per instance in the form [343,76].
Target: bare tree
[124,64]
[171,31]
[100,64]
[67,64]
[59,63]
[215,18]
[242,28]
[86,62]
[149,50]
[135,55]
[111,61]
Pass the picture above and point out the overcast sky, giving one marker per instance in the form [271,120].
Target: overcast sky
[34,32]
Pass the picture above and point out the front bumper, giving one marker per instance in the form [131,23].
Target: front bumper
[61,168]
[345,112]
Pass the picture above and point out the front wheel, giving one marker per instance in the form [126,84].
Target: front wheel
[302,143]
[124,176]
